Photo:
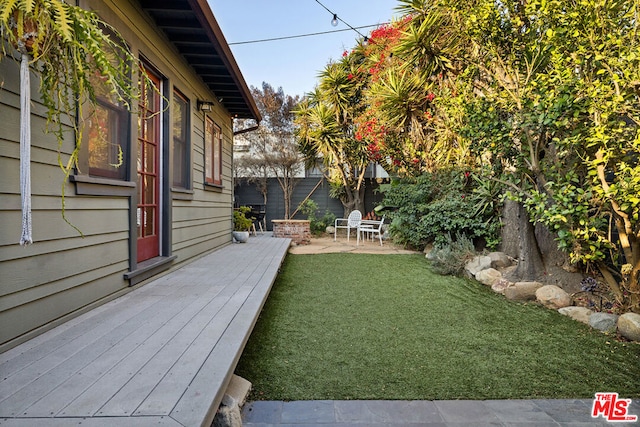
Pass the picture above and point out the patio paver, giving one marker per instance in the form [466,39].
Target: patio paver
[438,413]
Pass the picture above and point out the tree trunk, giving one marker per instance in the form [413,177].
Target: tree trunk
[509,235]
[353,200]
[530,263]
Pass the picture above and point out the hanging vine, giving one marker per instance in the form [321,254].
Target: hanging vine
[68,47]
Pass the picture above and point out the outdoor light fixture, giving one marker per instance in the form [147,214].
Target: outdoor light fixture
[205,105]
[335,20]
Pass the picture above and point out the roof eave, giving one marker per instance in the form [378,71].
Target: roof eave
[205,16]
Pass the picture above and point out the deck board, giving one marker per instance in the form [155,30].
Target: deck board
[161,355]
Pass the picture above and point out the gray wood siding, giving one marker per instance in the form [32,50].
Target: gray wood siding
[63,273]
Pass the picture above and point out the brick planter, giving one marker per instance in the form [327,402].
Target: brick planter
[297,230]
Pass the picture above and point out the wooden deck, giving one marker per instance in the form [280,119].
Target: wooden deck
[160,355]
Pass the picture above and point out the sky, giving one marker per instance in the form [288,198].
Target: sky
[293,64]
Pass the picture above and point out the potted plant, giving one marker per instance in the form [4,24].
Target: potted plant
[241,224]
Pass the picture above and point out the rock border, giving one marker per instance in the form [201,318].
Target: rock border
[486,269]
[229,413]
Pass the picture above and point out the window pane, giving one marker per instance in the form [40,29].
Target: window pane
[217,157]
[208,151]
[149,190]
[149,211]
[181,163]
[149,158]
[179,166]
[139,220]
[107,142]
[213,153]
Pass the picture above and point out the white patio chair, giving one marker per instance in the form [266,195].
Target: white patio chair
[371,229]
[353,221]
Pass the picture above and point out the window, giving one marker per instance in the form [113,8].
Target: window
[213,153]
[107,131]
[180,148]
[108,140]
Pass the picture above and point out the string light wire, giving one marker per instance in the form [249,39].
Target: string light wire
[305,35]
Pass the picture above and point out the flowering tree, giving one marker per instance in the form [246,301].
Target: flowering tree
[539,96]
[412,100]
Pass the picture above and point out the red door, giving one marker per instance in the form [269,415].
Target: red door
[148,212]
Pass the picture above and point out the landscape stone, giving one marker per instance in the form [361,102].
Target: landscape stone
[489,276]
[629,326]
[330,229]
[501,285]
[477,264]
[429,253]
[605,322]
[499,260]
[552,296]
[522,291]
[227,416]
[581,314]
[229,412]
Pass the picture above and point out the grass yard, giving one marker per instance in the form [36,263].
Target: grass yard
[356,326]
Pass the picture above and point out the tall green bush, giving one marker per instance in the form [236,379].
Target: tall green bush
[431,207]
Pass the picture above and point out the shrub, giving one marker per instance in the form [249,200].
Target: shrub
[432,206]
[240,220]
[316,225]
[449,258]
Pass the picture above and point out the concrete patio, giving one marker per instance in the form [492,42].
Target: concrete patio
[326,244]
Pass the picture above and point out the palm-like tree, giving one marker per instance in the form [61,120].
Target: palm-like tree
[325,129]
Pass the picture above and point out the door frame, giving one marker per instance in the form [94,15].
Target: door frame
[139,271]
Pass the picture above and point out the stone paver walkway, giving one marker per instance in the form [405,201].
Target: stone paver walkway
[439,413]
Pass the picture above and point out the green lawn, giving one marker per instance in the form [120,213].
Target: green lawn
[355,326]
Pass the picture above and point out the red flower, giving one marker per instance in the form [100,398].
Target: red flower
[350,76]
[430,97]
[345,53]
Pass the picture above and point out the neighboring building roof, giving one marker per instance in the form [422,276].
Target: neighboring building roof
[194,31]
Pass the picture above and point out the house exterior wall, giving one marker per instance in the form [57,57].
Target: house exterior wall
[63,273]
